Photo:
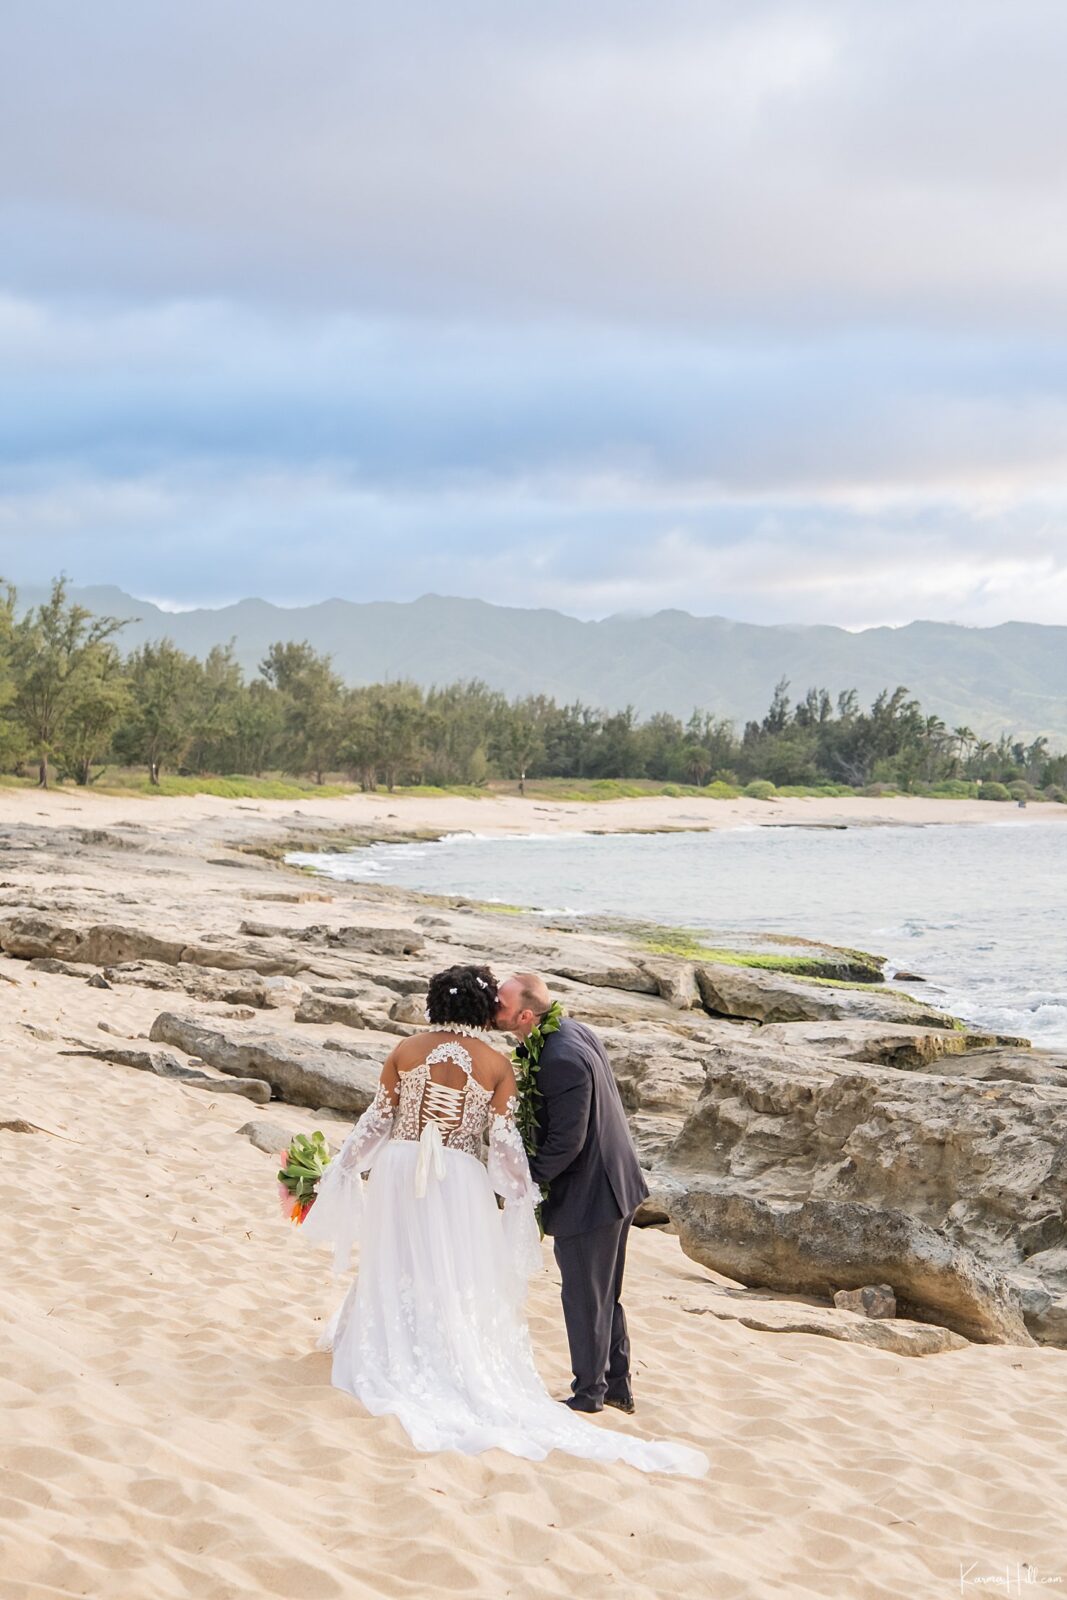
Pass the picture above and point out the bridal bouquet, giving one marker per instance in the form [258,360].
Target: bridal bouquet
[302,1166]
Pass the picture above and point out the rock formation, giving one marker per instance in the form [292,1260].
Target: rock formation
[809,1133]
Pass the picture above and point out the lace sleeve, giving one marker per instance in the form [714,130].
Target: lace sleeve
[368,1136]
[509,1170]
[509,1174]
[335,1217]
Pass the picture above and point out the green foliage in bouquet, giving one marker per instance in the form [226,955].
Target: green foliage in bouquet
[306,1161]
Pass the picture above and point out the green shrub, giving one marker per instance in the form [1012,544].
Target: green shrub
[233,787]
[994,791]
[955,789]
[1054,792]
[759,789]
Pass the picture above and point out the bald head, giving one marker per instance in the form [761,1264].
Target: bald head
[524,999]
[533,991]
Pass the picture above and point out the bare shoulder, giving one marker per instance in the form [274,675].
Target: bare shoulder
[494,1064]
[411,1051]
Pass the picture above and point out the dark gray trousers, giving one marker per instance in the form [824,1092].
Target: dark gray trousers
[591,1266]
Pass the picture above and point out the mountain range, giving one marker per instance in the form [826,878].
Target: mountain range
[1011,678]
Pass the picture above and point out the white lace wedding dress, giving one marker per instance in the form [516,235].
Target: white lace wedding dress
[433,1331]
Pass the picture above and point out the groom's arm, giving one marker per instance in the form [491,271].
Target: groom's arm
[567,1087]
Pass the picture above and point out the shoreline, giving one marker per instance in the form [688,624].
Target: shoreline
[498,816]
[276,831]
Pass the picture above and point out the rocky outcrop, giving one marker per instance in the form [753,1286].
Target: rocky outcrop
[642,1010]
[872,1300]
[1011,1065]
[111,944]
[262,991]
[900,1045]
[304,1074]
[734,990]
[767,996]
[371,1009]
[810,958]
[368,940]
[399,982]
[820,1246]
[899,1335]
[660,1079]
[327,1008]
[376,941]
[409,1009]
[676,982]
[983,1163]
[658,1075]
[165,1065]
[32,937]
[605,974]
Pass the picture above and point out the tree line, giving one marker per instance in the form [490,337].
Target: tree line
[72,705]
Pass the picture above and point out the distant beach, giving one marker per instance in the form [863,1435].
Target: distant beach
[495,814]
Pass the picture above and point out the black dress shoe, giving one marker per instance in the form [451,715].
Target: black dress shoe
[576,1403]
[622,1403]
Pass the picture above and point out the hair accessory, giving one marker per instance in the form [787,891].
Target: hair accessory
[453,991]
[481,983]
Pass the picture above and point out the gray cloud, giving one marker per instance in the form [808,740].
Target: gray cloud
[572,406]
[750,307]
[677,161]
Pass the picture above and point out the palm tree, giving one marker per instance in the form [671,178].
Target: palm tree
[934,736]
[965,738]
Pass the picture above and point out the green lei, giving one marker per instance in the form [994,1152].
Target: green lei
[526,1060]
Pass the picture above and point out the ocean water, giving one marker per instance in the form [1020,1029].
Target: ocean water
[978,911]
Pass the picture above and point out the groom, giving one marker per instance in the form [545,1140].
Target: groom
[586,1159]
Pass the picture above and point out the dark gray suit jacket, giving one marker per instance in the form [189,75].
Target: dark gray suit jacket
[584,1149]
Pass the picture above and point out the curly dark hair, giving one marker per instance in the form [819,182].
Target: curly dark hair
[462,994]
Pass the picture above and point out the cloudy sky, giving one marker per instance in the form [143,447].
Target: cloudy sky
[755,309]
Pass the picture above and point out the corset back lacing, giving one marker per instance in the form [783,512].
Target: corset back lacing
[440,1111]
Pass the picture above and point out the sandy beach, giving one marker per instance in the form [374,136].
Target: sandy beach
[503,814]
[170,1432]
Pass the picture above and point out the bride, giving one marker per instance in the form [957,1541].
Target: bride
[433,1329]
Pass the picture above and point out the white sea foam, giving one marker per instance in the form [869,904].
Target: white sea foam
[467,837]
